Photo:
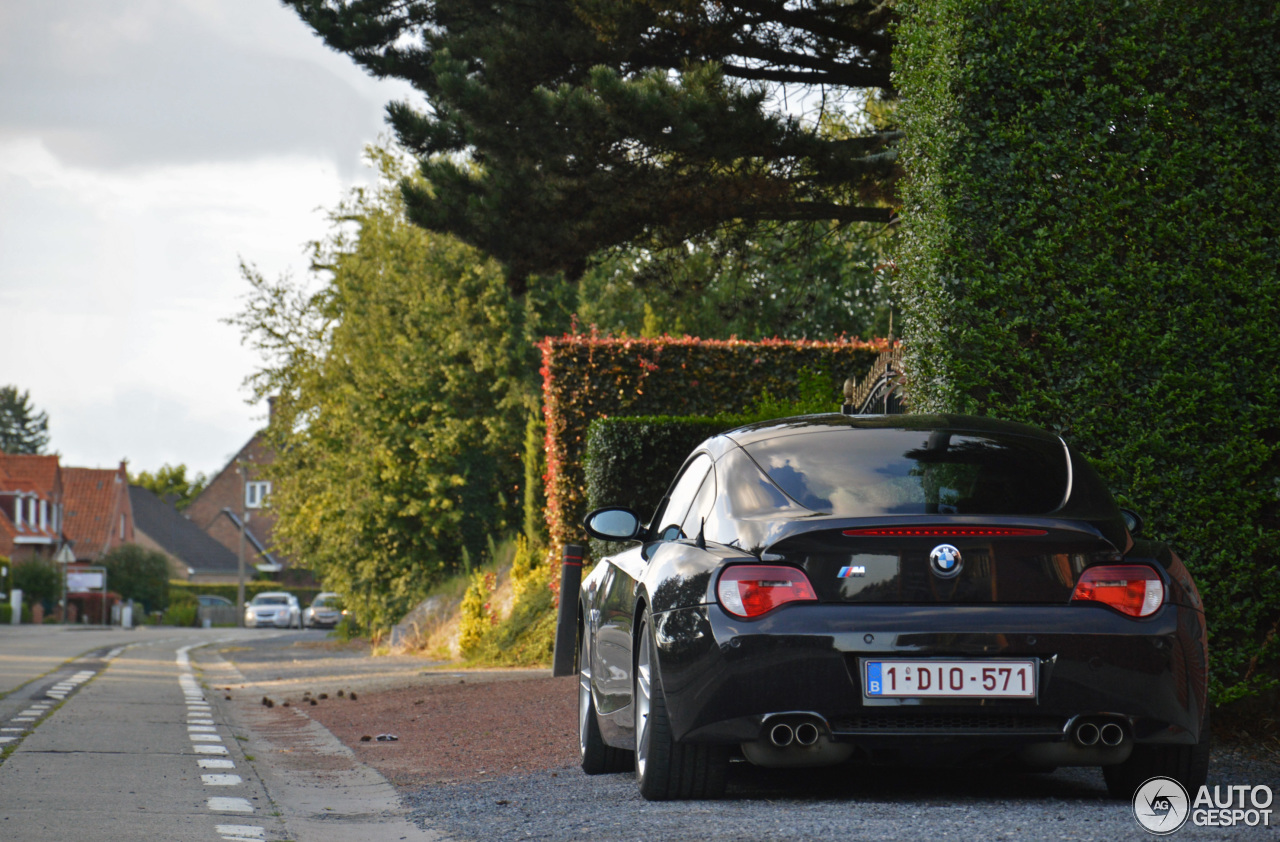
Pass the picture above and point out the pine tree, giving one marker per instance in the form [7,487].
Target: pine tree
[22,429]
[559,128]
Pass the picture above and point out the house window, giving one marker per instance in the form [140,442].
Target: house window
[255,494]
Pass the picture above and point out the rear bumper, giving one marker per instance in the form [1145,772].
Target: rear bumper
[723,677]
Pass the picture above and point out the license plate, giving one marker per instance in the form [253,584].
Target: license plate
[950,679]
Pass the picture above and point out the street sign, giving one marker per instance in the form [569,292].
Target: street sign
[82,581]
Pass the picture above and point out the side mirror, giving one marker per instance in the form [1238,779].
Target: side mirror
[1133,521]
[613,523]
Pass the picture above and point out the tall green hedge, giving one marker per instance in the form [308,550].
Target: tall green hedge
[1092,246]
[631,461]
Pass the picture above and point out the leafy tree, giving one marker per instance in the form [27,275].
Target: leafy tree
[172,480]
[556,129]
[140,574]
[404,385]
[22,429]
[39,581]
[794,281]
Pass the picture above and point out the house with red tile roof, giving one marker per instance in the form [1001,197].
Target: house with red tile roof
[240,496]
[98,516]
[31,506]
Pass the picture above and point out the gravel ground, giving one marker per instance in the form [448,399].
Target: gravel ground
[844,804]
[492,755]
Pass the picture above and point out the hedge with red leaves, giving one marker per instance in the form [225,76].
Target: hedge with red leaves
[587,376]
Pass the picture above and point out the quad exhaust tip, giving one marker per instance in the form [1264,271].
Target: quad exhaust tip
[807,733]
[1110,734]
[1087,734]
[781,735]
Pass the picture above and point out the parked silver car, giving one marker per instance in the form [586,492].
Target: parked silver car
[275,609]
[324,611]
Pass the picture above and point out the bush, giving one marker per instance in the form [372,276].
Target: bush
[140,574]
[1092,247]
[39,581]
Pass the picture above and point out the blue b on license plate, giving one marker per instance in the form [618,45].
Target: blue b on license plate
[1015,679]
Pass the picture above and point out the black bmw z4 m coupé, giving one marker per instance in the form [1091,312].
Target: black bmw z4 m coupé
[888,589]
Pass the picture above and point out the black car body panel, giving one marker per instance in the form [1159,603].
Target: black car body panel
[726,679]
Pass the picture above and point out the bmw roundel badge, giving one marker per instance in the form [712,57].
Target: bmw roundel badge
[945,561]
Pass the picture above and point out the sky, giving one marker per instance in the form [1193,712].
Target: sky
[146,147]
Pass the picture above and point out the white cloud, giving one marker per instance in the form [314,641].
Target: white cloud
[145,146]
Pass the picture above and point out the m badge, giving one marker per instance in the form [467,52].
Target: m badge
[846,572]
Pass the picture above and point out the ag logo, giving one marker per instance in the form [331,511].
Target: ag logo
[1161,806]
[945,561]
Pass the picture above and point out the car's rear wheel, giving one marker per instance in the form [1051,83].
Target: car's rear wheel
[1188,765]
[666,769]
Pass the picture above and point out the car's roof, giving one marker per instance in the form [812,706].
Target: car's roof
[833,421]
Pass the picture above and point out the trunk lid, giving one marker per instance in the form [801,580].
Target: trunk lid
[998,563]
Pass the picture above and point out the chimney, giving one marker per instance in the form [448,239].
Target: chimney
[271,410]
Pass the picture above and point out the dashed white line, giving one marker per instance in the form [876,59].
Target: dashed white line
[215,763]
[206,729]
[23,719]
[4,740]
[13,730]
[204,738]
[220,780]
[240,831]
[208,749]
[230,805]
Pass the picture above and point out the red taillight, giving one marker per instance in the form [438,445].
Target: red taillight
[943,531]
[749,590]
[1133,589]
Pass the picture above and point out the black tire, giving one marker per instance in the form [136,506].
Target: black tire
[1188,765]
[597,757]
[666,769]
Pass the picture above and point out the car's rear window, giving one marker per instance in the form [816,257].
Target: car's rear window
[863,473]
[270,600]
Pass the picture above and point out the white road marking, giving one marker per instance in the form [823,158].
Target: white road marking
[191,721]
[240,831]
[214,763]
[220,780]
[204,738]
[230,805]
[205,749]
[13,730]
[4,740]
[206,729]
[23,719]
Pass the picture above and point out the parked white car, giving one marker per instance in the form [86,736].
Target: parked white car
[275,609]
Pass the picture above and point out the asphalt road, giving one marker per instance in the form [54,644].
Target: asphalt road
[153,735]
[128,740]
